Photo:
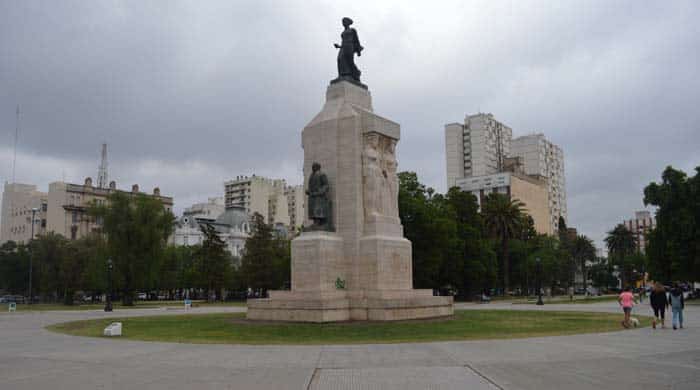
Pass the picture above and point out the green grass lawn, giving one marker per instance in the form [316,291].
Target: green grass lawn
[232,328]
[115,305]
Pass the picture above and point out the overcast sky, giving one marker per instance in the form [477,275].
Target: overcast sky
[189,94]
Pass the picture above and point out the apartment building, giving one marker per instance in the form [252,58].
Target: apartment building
[543,159]
[476,147]
[527,189]
[257,194]
[21,203]
[640,225]
[295,204]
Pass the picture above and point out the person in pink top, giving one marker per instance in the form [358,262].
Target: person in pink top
[626,300]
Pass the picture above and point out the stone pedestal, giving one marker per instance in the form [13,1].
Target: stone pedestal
[367,254]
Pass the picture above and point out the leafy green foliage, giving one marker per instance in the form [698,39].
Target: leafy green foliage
[622,245]
[137,227]
[213,263]
[266,261]
[14,268]
[673,247]
[504,219]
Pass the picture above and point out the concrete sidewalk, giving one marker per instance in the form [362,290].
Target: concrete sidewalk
[34,358]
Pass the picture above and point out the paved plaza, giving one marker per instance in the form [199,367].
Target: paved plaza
[34,358]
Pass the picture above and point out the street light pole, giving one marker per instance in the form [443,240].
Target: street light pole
[110,265]
[31,254]
[538,264]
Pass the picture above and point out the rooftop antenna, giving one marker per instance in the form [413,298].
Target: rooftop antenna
[14,159]
[102,171]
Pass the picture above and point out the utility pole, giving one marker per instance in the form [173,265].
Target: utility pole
[31,254]
[14,159]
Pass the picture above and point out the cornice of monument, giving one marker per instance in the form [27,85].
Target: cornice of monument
[343,99]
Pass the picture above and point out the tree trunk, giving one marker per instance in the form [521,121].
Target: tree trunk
[506,266]
[68,298]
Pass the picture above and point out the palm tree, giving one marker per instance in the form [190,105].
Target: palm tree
[621,243]
[582,250]
[504,219]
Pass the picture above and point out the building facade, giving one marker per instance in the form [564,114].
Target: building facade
[529,190]
[232,226]
[477,147]
[63,210]
[257,194]
[210,209]
[640,225]
[18,202]
[295,204]
[543,159]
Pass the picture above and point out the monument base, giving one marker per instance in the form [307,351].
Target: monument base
[377,306]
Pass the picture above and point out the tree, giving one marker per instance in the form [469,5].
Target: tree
[473,267]
[49,252]
[213,262]
[176,269]
[72,269]
[504,219]
[673,247]
[14,268]
[429,223]
[621,244]
[582,250]
[92,251]
[601,274]
[137,227]
[265,263]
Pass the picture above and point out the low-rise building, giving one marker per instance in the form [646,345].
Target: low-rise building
[68,206]
[232,226]
[210,209]
[63,210]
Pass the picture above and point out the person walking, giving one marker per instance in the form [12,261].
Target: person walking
[677,305]
[626,300]
[659,302]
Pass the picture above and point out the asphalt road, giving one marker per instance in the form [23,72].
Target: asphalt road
[34,358]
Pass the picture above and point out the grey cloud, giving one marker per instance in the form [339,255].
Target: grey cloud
[188,94]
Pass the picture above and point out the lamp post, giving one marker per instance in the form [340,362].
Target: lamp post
[31,254]
[538,264]
[108,304]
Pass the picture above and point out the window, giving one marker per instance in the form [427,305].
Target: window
[75,216]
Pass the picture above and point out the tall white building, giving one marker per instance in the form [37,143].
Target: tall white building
[18,200]
[295,204]
[544,159]
[257,194]
[640,225]
[476,148]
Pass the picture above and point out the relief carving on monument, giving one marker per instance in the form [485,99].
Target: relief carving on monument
[380,181]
